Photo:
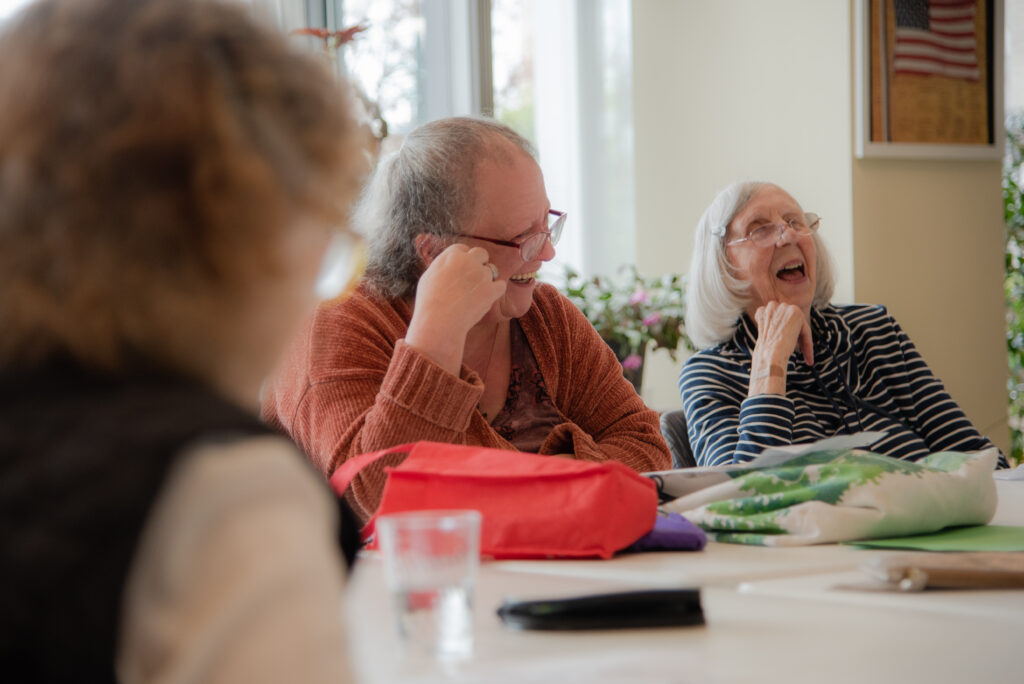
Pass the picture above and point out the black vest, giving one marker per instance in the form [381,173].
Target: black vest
[82,459]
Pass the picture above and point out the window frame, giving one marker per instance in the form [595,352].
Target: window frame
[457,44]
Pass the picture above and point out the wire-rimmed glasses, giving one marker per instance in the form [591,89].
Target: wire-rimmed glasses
[769,233]
[533,245]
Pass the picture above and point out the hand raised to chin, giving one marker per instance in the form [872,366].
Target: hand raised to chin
[780,328]
[456,290]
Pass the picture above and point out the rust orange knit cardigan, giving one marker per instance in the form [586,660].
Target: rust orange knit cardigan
[349,384]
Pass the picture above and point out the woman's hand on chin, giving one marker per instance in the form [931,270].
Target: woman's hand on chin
[457,290]
[780,328]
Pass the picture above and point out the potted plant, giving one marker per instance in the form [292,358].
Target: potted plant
[630,311]
[1013,283]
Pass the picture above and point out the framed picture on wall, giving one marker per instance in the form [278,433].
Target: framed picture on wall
[928,79]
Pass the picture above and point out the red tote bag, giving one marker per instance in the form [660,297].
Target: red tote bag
[532,506]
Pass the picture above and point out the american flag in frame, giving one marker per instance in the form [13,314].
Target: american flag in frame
[940,99]
[936,37]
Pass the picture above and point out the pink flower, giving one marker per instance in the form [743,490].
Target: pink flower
[639,297]
[632,362]
[652,319]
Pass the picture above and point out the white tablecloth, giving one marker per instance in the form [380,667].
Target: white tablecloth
[772,615]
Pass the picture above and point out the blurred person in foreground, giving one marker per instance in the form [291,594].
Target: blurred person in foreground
[780,363]
[450,337]
[170,176]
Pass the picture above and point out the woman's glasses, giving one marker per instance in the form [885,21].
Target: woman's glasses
[532,246]
[769,233]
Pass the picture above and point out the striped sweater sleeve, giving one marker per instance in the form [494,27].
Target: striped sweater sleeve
[936,417]
[724,425]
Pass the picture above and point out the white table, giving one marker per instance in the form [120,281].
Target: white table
[772,615]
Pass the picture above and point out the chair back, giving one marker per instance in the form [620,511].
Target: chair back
[673,429]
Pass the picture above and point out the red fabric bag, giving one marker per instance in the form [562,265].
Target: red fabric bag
[532,506]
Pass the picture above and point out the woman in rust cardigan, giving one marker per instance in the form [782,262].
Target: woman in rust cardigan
[450,338]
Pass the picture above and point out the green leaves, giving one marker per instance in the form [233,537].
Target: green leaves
[630,311]
[1013,285]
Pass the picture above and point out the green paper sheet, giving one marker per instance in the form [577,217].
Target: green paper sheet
[976,538]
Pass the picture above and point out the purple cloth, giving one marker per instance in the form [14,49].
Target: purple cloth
[672,532]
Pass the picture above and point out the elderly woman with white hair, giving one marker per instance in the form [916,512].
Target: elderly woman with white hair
[450,337]
[779,363]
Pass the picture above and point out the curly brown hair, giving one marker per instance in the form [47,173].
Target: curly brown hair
[152,153]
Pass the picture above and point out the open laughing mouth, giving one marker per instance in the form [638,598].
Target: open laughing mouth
[523,278]
[791,273]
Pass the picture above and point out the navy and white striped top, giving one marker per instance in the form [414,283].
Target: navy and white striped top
[867,375]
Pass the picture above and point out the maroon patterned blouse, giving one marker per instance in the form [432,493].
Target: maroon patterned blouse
[528,415]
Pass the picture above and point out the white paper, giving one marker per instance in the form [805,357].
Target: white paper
[776,455]
[683,481]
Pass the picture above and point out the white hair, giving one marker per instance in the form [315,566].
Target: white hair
[715,297]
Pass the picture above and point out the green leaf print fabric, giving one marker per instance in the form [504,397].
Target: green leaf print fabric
[844,495]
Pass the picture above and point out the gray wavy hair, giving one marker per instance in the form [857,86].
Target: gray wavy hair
[428,186]
[715,297]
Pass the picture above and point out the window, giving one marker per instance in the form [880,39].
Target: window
[562,75]
[386,61]
[558,71]
[419,60]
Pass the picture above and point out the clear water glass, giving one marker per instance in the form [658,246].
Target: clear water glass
[431,560]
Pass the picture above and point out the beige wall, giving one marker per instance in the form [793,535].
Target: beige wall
[731,90]
[736,89]
[929,245]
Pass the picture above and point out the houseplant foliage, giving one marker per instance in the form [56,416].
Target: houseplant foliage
[632,313]
[1013,205]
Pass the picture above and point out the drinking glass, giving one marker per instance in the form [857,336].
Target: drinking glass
[430,561]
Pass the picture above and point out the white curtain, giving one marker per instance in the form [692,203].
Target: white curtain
[584,129]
